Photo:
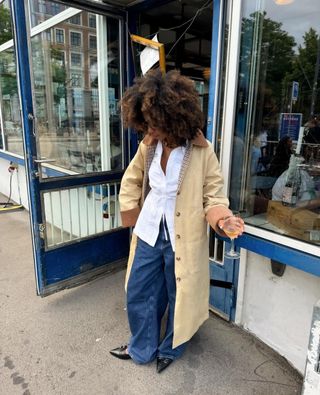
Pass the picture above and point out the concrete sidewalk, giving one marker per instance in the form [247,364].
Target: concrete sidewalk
[60,344]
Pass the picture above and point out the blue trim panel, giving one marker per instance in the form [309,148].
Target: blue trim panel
[269,249]
[298,259]
[67,181]
[74,259]
[217,9]
[12,158]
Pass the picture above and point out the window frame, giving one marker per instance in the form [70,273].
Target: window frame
[80,20]
[81,39]
[227,126]
[89,41]
[55,35]
[90,14]
[52,22]
[72,66]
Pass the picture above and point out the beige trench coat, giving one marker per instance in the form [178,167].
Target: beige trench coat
[199,200]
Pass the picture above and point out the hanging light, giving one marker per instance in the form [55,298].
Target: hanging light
[283,2]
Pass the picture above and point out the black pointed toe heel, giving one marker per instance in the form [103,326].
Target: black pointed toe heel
[163,363]
[120,352]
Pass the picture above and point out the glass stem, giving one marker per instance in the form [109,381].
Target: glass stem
[232,251]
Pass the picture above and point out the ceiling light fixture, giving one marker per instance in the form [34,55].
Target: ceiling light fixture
[283,2]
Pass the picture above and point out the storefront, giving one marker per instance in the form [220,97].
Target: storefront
[256,67]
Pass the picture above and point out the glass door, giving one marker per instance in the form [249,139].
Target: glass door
[70,66]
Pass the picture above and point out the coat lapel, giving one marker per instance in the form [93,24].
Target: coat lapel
[151,149]
[199,141]
[185,163]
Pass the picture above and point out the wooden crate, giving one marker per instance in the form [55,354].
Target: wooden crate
[295,222]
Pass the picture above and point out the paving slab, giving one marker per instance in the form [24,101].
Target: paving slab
[60,344]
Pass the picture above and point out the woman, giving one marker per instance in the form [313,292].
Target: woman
[170,189]
[281,159]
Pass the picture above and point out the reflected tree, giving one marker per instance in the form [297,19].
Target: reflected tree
[5,24]
[305,70]
[276,53]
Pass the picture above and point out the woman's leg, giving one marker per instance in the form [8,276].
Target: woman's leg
[146,301]
[165,349]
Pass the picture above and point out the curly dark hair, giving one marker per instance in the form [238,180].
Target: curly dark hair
[168,101]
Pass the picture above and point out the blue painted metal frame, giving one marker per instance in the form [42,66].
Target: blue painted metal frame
[287,255]
[298,259]
[217,9]
[222,299]
[12,158]
[86,255]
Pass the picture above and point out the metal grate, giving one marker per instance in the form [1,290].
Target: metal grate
[77,213]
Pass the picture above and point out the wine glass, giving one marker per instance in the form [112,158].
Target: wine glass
[232,227]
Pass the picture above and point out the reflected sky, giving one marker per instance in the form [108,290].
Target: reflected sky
[297,18]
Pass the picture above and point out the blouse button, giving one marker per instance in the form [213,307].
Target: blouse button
[178,214]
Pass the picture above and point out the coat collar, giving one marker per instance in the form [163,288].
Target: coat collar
[199,140]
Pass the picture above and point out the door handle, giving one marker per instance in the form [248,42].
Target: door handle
[44,160]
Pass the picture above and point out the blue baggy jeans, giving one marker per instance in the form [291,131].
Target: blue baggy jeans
[151,288]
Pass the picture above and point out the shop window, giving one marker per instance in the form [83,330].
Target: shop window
[59,36]
[186,32]
[275,175]
[75,39]
[70,123]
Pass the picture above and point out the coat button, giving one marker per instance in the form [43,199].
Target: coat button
[178,279]
[178,237]
[178,193]
[178,214]
[178,258]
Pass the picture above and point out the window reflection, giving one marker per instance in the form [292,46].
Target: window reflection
[10,104]
[276,155]
[10,125]
[71,126]
[41,10]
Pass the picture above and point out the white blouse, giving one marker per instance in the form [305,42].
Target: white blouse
[161,200]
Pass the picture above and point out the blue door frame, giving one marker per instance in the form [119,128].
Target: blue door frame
[73,263]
